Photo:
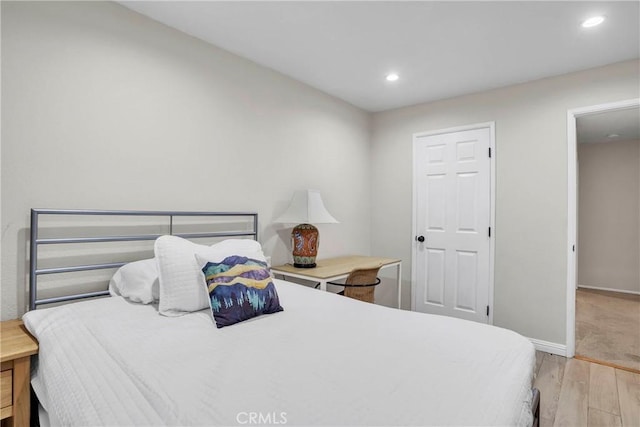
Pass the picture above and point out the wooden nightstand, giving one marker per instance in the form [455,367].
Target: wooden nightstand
[16,348]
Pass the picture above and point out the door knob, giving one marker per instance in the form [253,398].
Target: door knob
[420,239]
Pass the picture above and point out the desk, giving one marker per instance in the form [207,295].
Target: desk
[328,270]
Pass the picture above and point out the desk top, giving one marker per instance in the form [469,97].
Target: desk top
[332,267]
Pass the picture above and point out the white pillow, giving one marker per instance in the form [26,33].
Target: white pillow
[182,288]
[137,281]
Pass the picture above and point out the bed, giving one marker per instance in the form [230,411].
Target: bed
[323,360]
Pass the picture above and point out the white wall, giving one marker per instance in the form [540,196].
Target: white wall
[609,216]
[531,186]
[106,109]
[0,155]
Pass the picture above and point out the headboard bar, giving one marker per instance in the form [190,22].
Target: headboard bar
[35,241]
[140,237]
[136,213]
[77,268]
[72,297]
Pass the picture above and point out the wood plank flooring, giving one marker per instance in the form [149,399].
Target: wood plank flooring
[578,393]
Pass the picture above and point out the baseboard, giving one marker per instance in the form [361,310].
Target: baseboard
[595,288]
[549,347]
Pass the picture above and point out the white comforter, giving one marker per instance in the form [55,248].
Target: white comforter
[325,360]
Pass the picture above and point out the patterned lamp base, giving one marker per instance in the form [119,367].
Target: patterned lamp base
[305,240]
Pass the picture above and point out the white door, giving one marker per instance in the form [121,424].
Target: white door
[452,254]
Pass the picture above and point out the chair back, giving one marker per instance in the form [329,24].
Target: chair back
[361,284]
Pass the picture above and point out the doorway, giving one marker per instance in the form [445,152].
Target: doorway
[595,273]
[608,245]
[453,222]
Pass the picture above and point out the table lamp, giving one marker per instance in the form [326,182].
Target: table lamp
[306,207]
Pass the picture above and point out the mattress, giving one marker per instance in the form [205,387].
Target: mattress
[324,360]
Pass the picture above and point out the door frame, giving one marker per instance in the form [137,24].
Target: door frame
[572,207]
[492,205]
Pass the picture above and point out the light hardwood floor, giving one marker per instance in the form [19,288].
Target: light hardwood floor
[578,393]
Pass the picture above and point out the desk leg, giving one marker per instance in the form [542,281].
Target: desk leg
[399,279]
[323,285]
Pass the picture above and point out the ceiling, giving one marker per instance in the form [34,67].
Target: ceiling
[595,128]
[439,49]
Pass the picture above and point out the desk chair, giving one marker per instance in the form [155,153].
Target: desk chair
[360,284]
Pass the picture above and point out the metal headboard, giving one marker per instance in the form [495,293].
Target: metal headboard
[36,241]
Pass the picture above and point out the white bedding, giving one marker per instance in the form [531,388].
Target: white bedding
[325,360]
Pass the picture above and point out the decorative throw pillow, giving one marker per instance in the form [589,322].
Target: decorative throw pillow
[240,288]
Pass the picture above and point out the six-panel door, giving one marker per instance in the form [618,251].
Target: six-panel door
[453,202]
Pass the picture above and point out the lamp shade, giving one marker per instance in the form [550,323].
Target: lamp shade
[306,207]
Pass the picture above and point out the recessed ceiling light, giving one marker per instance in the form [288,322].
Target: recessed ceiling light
[392,77]
[613,135]
[593,21]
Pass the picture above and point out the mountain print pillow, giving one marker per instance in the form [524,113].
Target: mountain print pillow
[240,288]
